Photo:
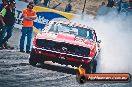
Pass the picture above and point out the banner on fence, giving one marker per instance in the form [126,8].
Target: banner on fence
[44,15]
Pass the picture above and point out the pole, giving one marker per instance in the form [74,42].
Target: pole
[84,8]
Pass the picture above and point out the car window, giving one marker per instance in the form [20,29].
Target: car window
[78,31]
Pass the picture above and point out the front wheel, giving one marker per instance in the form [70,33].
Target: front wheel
[32,62]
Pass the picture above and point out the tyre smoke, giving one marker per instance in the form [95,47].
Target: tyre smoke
[115,32]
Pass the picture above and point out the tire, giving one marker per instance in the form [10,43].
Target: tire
[88,69]
[94,66]
[32,60]
[91,68]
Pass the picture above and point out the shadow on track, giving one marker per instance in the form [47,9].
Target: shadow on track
[63,69]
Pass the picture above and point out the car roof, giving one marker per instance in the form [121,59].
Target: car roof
[72,24]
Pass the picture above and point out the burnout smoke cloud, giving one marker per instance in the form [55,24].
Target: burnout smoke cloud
[115,32]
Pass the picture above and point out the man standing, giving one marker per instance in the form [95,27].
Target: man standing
[28,16]
[46,2]
[2,5]
[110,3]
[7,18]
[68,7]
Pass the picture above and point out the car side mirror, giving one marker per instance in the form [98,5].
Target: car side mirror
[99,41]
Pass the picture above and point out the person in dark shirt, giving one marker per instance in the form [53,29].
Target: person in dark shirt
[68,7]
[46,3]
[35,2]
[2,5]
[110,3]
[7,18]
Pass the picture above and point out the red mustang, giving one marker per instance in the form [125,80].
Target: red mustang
[66,43]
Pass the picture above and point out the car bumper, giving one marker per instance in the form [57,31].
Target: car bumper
[59,57]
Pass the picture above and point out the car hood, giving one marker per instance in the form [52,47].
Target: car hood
[67,38]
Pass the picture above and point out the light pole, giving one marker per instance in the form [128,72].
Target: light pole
[84,8]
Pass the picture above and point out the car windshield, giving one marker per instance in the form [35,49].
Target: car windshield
[78,31]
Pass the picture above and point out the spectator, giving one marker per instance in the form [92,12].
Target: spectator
[103,3]
[102,10]
[119,6]
[7,18]
[28,16]
[68,6]
[35,2]
[110,3]
[46,2]
[2,5]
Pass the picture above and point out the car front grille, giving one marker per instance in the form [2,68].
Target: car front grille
[62,47]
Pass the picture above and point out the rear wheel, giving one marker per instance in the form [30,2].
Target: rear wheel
[91,68]
[94,66]
[88,69]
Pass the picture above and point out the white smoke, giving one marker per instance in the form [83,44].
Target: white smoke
[115,32]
